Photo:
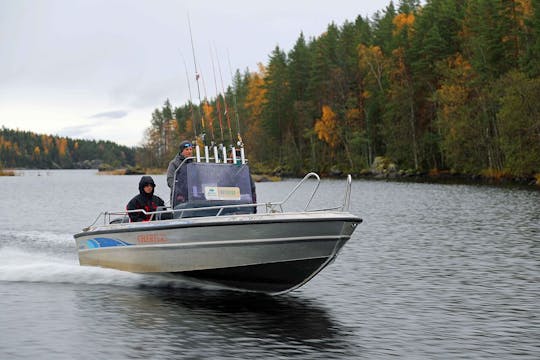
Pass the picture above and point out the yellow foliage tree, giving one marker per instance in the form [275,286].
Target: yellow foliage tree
[208,111]
[37,153]
[62,145]
[404,20]
[256,93]
[326,127]
[255,98]
[371,61]
[6,144]
[46,143]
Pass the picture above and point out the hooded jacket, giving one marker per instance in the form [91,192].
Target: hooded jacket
[147,202]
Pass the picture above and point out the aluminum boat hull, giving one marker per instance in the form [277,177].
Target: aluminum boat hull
[271,253]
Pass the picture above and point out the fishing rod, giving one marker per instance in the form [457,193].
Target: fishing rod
[197,75]
[218,104]
[190,98]
[225,102]
[206,106]
[207,112]
[240,142]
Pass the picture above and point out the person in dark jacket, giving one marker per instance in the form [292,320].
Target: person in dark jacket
[185,151]
[146,200]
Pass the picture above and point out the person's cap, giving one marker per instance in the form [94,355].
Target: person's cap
[185,144]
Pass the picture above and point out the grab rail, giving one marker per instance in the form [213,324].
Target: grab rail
[270,207]
[280,204]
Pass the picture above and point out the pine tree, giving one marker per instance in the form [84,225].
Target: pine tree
[276,113]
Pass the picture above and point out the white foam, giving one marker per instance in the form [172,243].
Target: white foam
[49,257]
[17,265]
[48,237]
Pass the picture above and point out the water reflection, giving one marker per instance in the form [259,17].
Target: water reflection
[201,322]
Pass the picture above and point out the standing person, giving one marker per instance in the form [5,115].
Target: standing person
[185,151]
[146,200]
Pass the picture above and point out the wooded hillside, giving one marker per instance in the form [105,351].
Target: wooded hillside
[24,149]
[451,85]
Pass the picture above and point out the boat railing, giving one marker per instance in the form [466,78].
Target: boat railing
[122,216]
[271,207]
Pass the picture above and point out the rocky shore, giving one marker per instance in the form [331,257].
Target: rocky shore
[384,169]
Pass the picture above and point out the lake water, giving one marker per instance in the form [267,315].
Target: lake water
[435,271]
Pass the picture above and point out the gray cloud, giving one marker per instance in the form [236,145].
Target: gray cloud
[117,114]
[89,127]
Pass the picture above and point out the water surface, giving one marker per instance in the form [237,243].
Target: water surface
[435,271]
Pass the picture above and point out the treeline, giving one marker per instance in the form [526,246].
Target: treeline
[24,149]
[451,85]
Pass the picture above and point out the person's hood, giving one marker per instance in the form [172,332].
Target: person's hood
[146,180]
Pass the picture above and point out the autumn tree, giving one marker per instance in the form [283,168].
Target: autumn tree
[462,142]
[254,136]
[519,123]
[400,114]
[327,129]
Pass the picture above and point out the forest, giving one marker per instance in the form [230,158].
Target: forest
[25,149]
[446,86]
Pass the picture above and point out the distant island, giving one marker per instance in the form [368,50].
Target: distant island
[28,150]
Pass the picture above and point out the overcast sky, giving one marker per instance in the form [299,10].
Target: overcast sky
[96,69]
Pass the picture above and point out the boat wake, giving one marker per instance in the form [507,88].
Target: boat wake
[46,257]
[43,242]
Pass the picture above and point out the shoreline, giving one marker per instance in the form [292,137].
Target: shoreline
[532,182]
[464,179]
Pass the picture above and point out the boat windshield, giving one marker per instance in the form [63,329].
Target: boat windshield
[209,184]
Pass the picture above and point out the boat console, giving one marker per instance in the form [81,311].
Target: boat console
[198,185]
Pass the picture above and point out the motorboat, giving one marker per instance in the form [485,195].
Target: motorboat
[215,232]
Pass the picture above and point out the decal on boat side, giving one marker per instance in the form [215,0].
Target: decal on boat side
[104,242]
[152,239]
